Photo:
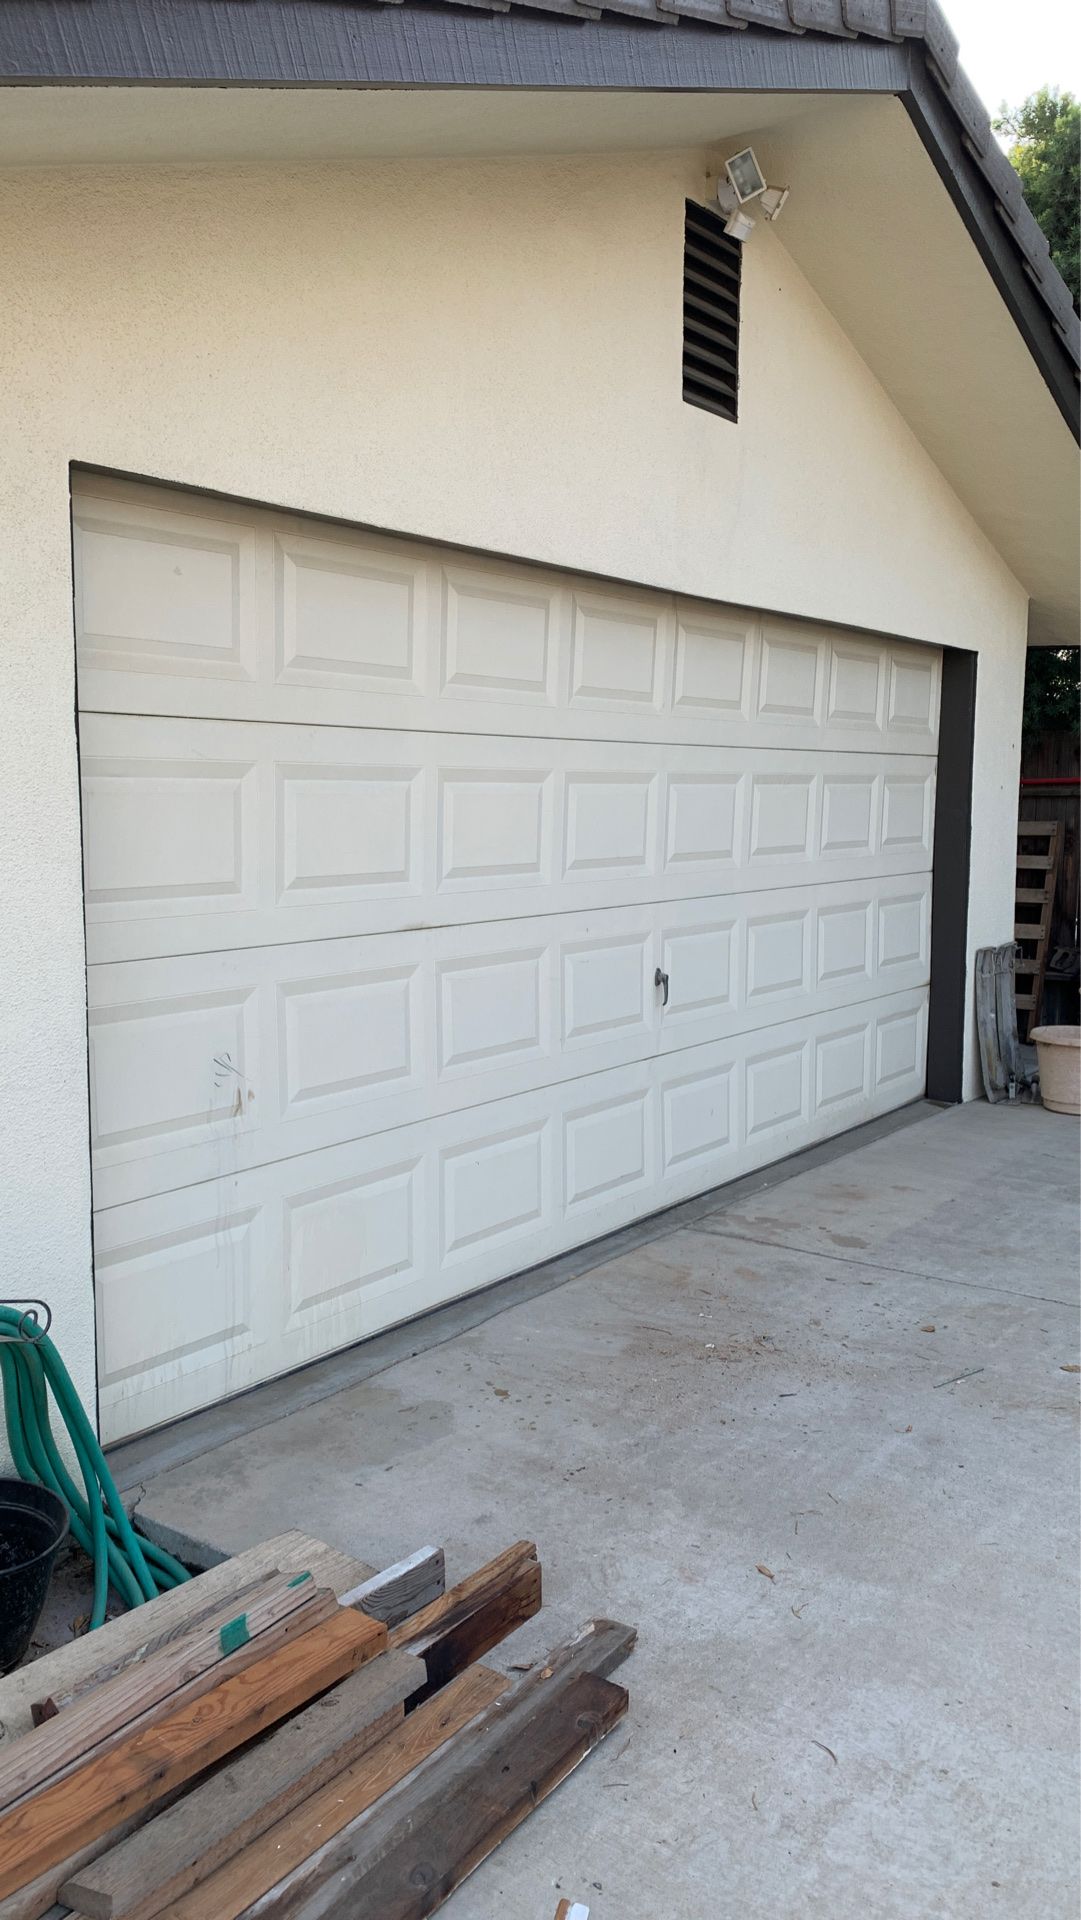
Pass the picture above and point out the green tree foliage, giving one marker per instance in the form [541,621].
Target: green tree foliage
[1051,692]
[1046,152]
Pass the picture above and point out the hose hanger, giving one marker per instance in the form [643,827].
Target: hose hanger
[29,1327]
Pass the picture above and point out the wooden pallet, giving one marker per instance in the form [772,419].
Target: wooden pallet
[1037,878]
[318,1758]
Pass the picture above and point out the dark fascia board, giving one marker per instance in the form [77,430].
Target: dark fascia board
[944,141]
[340,43]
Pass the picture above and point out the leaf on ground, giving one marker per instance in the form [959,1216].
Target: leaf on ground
[930,1328]
[1070,1369]
[766,1571]
[501,1393]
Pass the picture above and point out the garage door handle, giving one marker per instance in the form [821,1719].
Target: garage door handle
[660,979]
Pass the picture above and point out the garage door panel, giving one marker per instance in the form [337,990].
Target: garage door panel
[196,1272]
[348,617]
[620,646]
[205,835]
[791,676]
[161,836]
[367,1233]
[500,637]
[212,1063]
[329,625]
[164,592]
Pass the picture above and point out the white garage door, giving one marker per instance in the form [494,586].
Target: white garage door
[386,847]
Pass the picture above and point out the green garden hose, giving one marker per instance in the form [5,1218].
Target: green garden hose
[29,1367]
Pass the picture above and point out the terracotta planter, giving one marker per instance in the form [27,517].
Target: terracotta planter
[1059,1053]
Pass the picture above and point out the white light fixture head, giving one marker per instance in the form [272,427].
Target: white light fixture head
[772,201]
[739,225]
[745,175]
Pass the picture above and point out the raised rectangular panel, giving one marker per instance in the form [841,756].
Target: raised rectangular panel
[902,930]
[342,828]
[844,942]
[496,638]
[701,822]
[163,592]
[898,1047]
[493,825]
[854,677]
[348,612]
[490,1008]
[603,987]
[697,1116]
[776,1089]
[698,962]
[777,954]
[179,1301]
[609,823]
[848,814]
[912,693]
[780,815]
[346,1237]
[156,830]
[906,811]
[712,662]
[605,1148]
[167,1067]
[343,1035]
[493,1189]
[788,677]
[616,651]
[841,1066]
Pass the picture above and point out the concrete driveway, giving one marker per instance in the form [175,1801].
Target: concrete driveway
[820,1444]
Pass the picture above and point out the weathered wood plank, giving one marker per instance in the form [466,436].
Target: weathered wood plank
[291,1841]
[403,1589]
[54,1703]
[403,1858]
[58,1671]
[40,1896]
[67,1739]
[150,1762]
[600,1647]
[475,1615]
[179,1848]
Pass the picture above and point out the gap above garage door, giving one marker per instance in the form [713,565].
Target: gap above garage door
[444,913]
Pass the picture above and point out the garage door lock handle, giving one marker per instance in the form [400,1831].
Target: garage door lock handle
[660,979]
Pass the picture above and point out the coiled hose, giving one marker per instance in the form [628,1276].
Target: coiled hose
[30,1366]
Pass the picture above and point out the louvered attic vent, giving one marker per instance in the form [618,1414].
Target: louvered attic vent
[711,273]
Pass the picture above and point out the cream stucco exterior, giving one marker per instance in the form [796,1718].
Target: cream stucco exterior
[484,352]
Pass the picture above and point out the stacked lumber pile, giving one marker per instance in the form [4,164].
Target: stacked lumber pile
[269,1746]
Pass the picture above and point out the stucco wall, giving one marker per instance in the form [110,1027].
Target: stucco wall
[484,352]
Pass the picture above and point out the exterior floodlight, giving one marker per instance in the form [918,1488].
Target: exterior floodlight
[746,176]
[742,182]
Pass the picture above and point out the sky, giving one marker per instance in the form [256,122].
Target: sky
[1008,51]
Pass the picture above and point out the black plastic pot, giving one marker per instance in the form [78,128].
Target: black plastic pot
[33,1527]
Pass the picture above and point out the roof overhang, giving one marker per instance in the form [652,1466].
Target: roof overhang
[975,339]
